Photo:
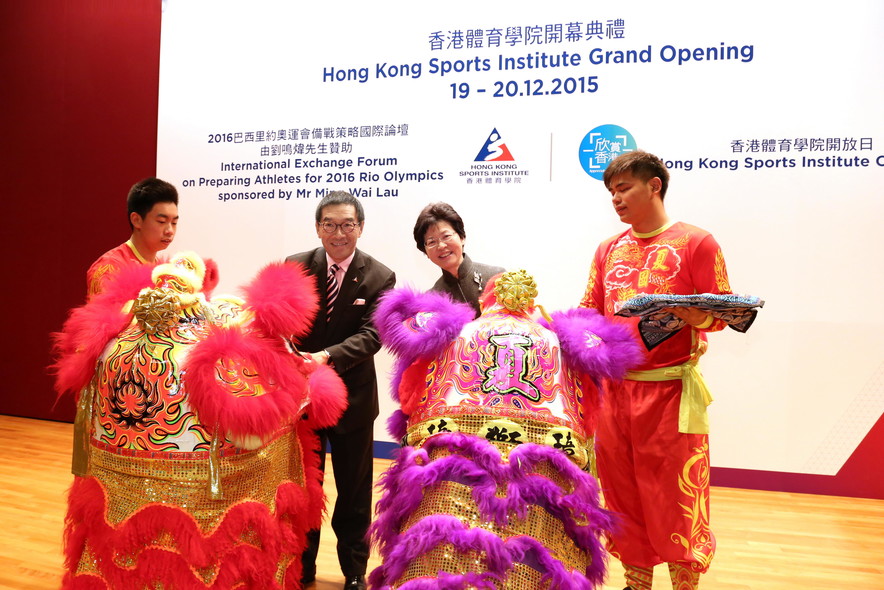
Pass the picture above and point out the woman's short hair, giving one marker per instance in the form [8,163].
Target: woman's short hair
[433,214]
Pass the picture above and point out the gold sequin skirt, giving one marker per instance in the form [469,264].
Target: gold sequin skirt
[486,513]
[147,520]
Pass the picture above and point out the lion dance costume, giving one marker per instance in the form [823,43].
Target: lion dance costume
[193,439]
[491,488]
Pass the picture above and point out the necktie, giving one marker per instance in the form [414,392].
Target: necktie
[331,292]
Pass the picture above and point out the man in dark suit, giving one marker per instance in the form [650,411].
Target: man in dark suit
[349,283]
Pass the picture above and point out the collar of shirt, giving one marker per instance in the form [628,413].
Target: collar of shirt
[342,265]
[137,254]
[656,232]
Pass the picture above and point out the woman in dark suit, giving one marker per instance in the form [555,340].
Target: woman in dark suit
[439,233]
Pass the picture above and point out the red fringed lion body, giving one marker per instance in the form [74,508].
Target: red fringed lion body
[192,449]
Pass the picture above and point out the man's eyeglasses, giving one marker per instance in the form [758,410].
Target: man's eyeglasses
[434,243]
[347,227]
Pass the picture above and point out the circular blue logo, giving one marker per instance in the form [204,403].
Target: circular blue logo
[601,145]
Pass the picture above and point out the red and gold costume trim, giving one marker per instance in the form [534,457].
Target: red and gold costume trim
[145,520]
[109,264]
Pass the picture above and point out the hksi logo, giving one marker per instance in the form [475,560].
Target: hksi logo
[494,150]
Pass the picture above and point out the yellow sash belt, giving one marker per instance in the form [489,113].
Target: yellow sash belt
[695,396]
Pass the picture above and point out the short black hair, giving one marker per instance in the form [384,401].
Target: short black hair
[146,193]
[340,198]
[433,214]
[642,165]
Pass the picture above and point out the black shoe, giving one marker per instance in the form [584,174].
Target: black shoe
[354,583]
[308,582]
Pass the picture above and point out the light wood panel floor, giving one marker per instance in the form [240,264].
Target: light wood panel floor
[766,540]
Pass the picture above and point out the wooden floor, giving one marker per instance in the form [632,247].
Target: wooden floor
[766,540]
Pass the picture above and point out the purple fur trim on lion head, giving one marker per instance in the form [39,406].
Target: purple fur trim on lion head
[415,325]
[397,425]
[595,345]
[399,367]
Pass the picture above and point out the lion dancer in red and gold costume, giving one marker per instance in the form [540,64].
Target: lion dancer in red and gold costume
[492,488]
[652,440]
[193,438]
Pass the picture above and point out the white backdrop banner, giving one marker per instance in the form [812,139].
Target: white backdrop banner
[767,113]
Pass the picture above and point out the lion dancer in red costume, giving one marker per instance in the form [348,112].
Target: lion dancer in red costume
[193,438]
[652,440]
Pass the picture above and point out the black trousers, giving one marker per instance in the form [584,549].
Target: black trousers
[352,460]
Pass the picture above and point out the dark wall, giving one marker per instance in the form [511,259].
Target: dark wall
[78,94]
